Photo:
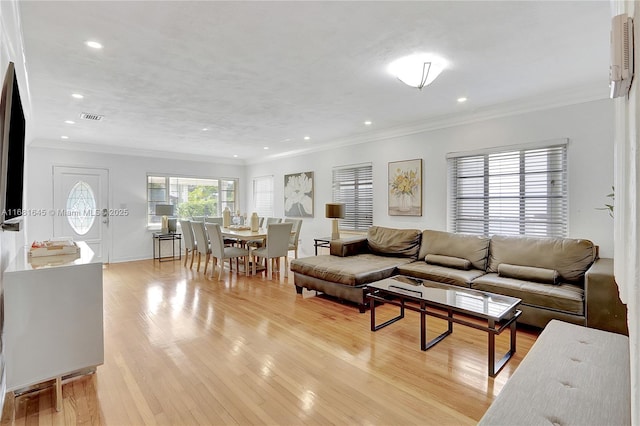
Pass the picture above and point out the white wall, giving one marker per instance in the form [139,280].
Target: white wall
[589,127]
[627,209]
[11,50]
[130,238]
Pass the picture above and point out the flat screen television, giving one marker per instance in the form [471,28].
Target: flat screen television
[12,135]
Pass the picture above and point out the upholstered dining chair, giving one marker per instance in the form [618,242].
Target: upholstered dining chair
[295,235]
[189,241]
[266,221]
[277,246]
[202,244]
[217,220]
[220,252]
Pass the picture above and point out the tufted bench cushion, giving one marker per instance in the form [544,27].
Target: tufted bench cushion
[572,375]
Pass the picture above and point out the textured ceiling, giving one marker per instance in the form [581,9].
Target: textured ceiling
[269,73]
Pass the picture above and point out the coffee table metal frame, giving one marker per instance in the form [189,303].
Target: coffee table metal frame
[416,303]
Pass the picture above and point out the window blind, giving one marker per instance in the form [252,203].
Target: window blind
[263,196]
[353,186]
[512,192]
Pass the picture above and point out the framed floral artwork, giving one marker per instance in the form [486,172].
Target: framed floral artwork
[405,188]
[298,195]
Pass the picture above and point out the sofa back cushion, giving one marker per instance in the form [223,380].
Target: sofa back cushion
[474,248]
[570,257]
[394,242]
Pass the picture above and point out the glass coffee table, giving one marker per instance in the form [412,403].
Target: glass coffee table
[445,301]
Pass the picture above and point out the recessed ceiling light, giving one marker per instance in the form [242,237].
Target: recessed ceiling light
[64,137]
[266,147]
[70,122]
[462,99]
[306,138]
[204,129]
[93,44]
[77,95]
[235,155]
[368,123]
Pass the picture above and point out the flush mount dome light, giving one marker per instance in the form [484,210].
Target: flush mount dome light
[418,70]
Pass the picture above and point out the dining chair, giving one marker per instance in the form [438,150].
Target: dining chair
[295,235]
[277,246]
[261,221]
[202,244]
[270,220]
[217,220]
[189,242]
[221,252]
[197,218]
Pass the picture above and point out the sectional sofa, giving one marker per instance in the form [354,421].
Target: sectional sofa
[556,278]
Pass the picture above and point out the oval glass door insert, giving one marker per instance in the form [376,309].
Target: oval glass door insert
[81,207]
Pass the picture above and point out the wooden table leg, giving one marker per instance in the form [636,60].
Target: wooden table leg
[58,393]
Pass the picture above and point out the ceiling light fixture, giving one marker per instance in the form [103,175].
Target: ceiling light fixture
[235,155]
[266,147]
[462,100]
[204,129]
[64,137]
[70,122]
[306,138]
[417,70]
[93,44]
[77,95]
[368,123]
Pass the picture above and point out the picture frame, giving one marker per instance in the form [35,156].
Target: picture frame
[298,194]
[405,188]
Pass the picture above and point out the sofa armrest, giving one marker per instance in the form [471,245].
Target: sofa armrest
[349,247]
[604,309]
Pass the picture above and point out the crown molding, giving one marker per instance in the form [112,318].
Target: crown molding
[136,152]
[559,99]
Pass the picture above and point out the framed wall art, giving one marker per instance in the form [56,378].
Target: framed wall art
[298,195]
[405,188]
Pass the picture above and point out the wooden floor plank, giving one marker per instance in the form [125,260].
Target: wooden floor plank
[184,348]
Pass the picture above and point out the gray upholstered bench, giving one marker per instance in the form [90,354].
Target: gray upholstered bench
[572,375]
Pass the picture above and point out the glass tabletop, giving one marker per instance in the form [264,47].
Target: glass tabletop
[465,300]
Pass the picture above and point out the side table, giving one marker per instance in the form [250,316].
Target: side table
[158,238]
[321,242]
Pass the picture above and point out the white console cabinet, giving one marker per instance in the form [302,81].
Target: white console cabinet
[53,319]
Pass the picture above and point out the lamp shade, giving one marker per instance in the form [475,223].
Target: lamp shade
[334,210]
[164,210]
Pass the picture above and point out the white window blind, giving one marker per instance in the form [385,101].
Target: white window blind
[263,196]
[353,186]
[513,192]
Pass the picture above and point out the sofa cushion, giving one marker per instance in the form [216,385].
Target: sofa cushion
[528,273]
[353,270]
[475,248]
[394,242]
[448,261]
[570,257]
[562,297]
[441,274]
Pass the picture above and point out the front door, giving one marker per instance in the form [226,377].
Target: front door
[81,201]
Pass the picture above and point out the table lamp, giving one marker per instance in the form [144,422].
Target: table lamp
[164,210]
[334,211]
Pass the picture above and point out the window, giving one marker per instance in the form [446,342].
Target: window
[520,191]
[353,186]
[263,196]
[81,206]
[190,196]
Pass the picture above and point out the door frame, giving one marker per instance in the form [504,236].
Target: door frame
[107,241]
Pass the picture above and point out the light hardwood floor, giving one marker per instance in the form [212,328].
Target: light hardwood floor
[182,349]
